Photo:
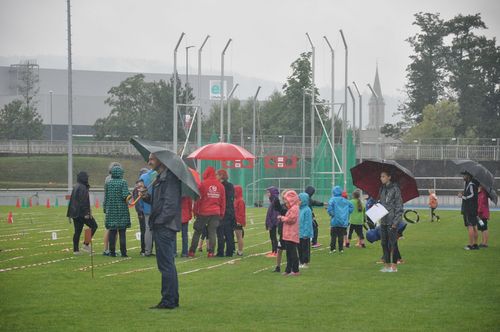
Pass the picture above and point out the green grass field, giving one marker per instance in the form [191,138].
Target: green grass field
[44,287]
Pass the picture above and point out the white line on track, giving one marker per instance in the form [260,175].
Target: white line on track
[34,265]
[85,268]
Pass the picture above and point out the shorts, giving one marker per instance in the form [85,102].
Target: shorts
[484,227]
[470,220]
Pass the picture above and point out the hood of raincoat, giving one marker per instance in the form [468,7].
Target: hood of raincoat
[291,197]
[274,193]
[304,199]
[83,178]
[209,173]
[117,172]
[310,190]
[336,191]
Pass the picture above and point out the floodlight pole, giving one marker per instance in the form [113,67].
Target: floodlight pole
[303,157]
[313,55]
[51,123]
[353,115]
[332,108]
[229,112]
[360,122]
[344,115]
[376,108]
[253,143]
[222,90]
[174,85]
[198,115]
[70,103]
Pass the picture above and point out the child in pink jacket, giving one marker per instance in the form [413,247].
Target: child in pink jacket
[483,212]
[291,232]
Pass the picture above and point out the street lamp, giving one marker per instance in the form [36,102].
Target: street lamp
[200,108]
[174,85]
[222,90]
[313,97]
[344,114]
[253,142]
[51,135]
[360,121]
[187,69]
[229,112]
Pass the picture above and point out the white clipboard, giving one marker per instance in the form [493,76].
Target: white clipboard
[377,212]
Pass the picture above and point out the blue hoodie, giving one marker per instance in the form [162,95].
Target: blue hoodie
[147,178]
[305,217]
[339,209]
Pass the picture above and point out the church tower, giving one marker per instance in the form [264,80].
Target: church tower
[376,109]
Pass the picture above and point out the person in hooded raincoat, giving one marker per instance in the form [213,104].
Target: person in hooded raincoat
[339,210]
[116,209]
[310,190]
[305,230]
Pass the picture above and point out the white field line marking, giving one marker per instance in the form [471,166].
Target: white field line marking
[58,238]
[129,272]
[232,261]
[54,230]
[55,244]
[85,268]
[14,249]
[13,239]
[34,265]
[16,234]
[11,259]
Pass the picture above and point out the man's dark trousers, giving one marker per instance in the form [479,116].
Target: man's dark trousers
[165,251]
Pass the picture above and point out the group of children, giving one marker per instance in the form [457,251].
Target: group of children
[292,225]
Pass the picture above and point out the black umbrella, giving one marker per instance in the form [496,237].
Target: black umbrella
[481,174]
[366,176]
[173,162]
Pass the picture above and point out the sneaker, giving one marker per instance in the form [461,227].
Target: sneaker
[211,255]
[400,261]
[468,247]
[285,274]
[277,269]
[86,248]
[294,274]
[333,251]
[483,246]
[347,245]
[143,254]
[112,254]
[105,253]
[76,253]
[304,266]
[239,253]
[271,255]
[386,269]
[317,245]
[341,251]
[124,255]
[475,247]
[184,255]
[162,306]
[191,254]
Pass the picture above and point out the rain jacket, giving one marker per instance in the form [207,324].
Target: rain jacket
[357,217]
[115,206]
[390,198]
[310,190]
[165,201]
[229,207]
[305,217]
[339,209]
[483,209]
[147,178]
[469,198]
[291,219]
[79,204]
[212,200]
[239,206]
[187,209]
[272,213]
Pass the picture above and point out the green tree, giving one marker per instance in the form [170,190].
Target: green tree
[438,121]
[18,121]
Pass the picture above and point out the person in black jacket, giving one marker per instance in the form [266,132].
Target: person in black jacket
[225,231]
[79,210]
[310,190]
[469,209]
[165,220]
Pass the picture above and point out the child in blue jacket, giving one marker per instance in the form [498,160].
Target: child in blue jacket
[339,210]
[305,230]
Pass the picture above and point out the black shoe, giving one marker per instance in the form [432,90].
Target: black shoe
[112,254]
[475,247]
[163,306]
[219,255]
[277,269]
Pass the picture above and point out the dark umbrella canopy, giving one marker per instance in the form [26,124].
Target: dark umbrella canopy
[173,163]
[366,176]
[481,174]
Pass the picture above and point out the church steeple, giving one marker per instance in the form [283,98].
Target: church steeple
[376,118]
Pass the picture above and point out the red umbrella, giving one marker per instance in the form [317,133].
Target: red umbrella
[366,176]
[221,151]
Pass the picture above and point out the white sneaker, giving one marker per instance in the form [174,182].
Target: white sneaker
[386,269]
[86,248]
[77,253]
[333,251]
[304,266]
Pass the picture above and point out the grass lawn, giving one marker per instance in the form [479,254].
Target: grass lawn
[44,287]
[24,172]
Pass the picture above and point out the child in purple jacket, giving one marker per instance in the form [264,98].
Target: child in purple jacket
[272,220]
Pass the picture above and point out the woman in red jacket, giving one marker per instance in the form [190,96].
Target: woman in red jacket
[209,210]
[240,216]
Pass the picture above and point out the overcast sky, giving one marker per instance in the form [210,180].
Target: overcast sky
[267,34]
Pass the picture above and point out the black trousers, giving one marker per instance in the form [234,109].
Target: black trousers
[315,231]
[225,237]
[358,229]
[142,226]
[274,239]
[292,260]
[112,241]
[389,240]
[337,234]
[305,251]
[78,225]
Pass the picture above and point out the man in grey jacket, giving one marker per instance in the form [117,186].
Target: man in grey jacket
[165,220]
[390,198]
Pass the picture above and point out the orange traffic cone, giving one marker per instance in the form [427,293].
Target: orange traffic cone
[18,203]
[31,202]
[97,203]
[48,203]
[10,219]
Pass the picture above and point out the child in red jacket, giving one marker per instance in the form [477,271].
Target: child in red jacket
[240,216]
